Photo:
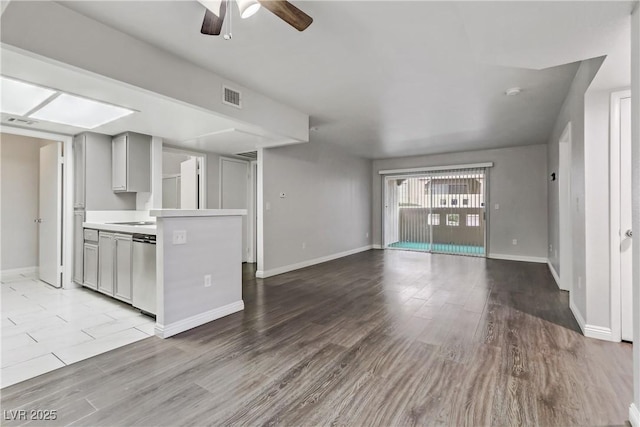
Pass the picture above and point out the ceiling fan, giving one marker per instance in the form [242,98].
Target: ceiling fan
[217,10]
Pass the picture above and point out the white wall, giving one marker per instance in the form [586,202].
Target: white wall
[517,182]
[635,138]
[573,110]
[19,176]
[327,205]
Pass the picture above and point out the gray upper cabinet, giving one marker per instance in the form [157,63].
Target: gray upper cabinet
[131,163]
[92,175]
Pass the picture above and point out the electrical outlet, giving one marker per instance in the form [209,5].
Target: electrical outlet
[497,206]
[267,206]
[179,237]
[304,245]
[550,248]
[579,282]
[366,234]
[514,241]
[207,280]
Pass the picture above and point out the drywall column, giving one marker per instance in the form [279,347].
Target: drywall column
[198,267]
[634,410]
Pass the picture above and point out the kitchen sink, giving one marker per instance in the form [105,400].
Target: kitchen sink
[134,223]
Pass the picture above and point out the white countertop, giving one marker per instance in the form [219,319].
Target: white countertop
[121,228]
[177,213]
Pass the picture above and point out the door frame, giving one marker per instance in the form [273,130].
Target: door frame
[565,235]
[252,212]
[202,172]
[66,267]
[614,212]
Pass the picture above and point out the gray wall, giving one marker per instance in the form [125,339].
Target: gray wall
[573,110]
[327,204]
[19,176]
[517,182]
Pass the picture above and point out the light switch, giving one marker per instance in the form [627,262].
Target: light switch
[497,206]
[267,206]
[179,237]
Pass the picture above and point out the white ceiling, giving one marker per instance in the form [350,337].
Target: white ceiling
[392,78]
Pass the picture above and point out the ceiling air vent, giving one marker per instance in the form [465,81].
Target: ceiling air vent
[231,97]
[17,121]
[253,155]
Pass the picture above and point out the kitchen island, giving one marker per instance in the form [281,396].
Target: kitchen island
[198,267]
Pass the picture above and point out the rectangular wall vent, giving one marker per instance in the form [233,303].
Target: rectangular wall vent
[253,155]
[231,97]
[17,121]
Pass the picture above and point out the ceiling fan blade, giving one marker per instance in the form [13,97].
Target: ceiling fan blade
[288,13]
[212,24]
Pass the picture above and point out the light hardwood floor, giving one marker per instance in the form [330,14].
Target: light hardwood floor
[379,338]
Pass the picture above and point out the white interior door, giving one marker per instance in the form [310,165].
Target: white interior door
[50,214]
[234,182]
[626,267]
[189,184]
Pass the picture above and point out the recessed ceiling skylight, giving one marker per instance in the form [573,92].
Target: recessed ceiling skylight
[81,112]
[19,97]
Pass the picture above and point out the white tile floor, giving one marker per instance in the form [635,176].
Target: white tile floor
[44,328]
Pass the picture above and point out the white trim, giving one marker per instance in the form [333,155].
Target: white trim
[251,216]
[554,273]
[376,246]
[67,202]
[166,331]
[634,415]
[565,241]
[16,271]
[436,168]
[614,211]
[577,315]
[599,332]
[524,258]
[285,269]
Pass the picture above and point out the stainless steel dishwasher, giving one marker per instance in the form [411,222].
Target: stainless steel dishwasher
[144,273]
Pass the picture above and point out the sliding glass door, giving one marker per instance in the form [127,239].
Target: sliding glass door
[440,211]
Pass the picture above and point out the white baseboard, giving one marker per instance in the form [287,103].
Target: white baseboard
[287,268]
[634,415]
[577,315]
[519,258]
[376,246]
[17,271]
[554,273]
[166,331]
[599,332]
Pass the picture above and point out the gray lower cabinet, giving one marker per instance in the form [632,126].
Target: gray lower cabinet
[78,247]
[106,263]
[90,271]
[124,252]
[114,265]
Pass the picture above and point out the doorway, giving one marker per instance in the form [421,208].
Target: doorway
[183,179]
[441,211]
[236,193]
[32,208]
[565,241]
[621,233]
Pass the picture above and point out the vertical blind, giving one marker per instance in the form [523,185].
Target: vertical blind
[440,211]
